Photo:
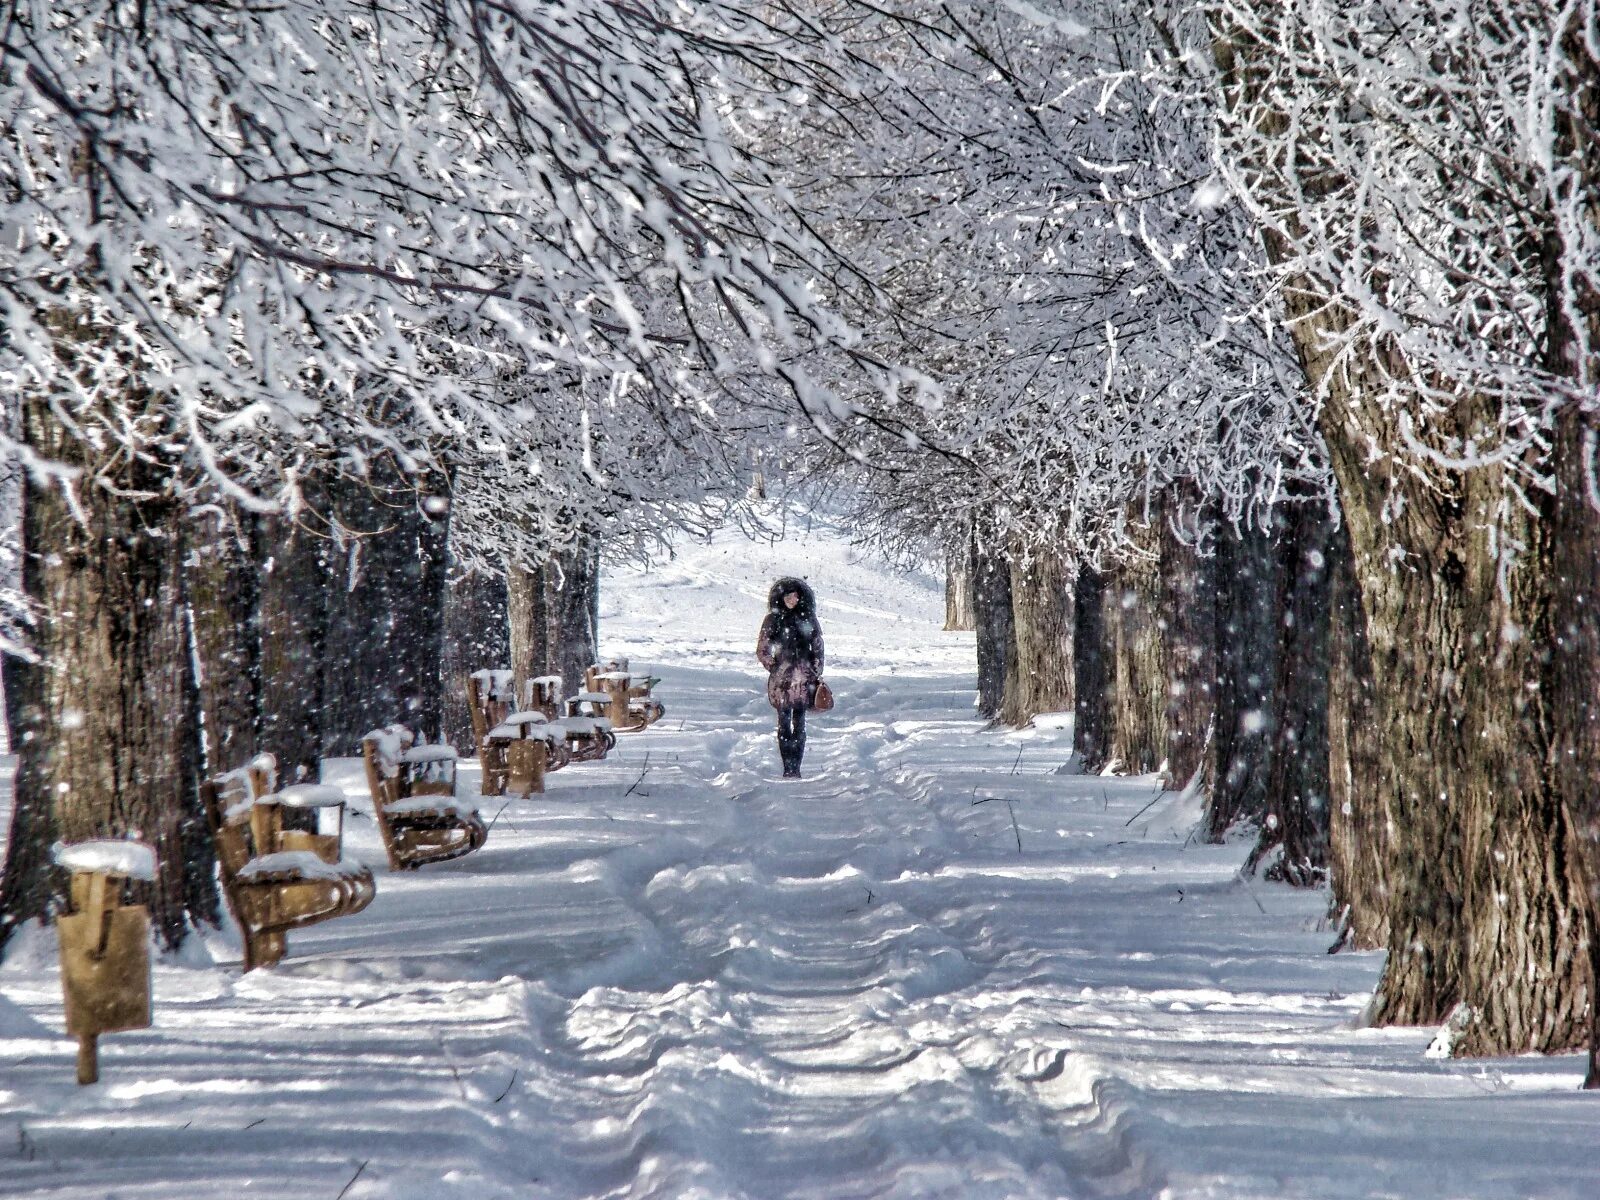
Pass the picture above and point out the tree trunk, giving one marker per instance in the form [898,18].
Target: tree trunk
[420,633]
[960,599]
[1039,678]
[223,583]
[572,589]
[1247,639]
[1091,671]
[1360,822]
[295,658]
[13,628]
[1189,618]
[996,628]
[1570,634]
[385,610]
[477,635]
[1296,824]
[1485,907]
[30,886]
[529,627]
[552,609]
[1139,670]
[1569,639]
[107,742]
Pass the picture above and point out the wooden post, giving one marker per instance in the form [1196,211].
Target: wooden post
[476,705]
[105,951]
[526,760]
[617,686]
[88,1058]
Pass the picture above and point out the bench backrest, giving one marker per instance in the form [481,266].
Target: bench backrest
[390,777]
[491,696]
[230,803]
[544,694]
[384,786]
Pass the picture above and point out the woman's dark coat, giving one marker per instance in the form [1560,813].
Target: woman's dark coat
[790,646]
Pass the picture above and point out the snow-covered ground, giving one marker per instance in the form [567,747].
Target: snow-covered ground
[940,965]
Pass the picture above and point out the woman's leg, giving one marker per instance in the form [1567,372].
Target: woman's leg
[786,738]
[798,737]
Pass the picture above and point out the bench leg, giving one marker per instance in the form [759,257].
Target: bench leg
[264,949]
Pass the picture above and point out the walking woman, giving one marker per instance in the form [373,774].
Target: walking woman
[790,648]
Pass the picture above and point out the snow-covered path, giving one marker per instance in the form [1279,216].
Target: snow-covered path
[941,965]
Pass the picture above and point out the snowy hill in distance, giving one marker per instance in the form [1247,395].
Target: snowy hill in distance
[693,605]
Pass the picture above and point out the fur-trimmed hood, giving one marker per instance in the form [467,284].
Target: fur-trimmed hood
[808,600]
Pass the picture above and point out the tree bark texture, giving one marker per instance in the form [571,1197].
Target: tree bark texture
[295,659]
[13,628]
[1484,906]
[572,590]
[30,885]
[960,600]
[1570,632]
[222,579]
[1092,665]
[1360,821]
[1296,826]
[1039,678]
[1139,669]
[554,629]
[529,627]
[352,619]
[385,611]
[107,743]
[996,627]
[1247,639]
[1568,639]
[1189,623]
[477,635]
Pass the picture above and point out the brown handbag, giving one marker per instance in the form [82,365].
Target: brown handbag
[822,700]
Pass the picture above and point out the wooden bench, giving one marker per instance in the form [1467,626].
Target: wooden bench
[544,693]
[414,800]
[276,879]
[631,708]
[584,731]
[491,696]
[536,747]
[588,729]
[515,748]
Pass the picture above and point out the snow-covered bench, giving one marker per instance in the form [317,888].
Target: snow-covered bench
[630,707]
[413,799]
[516,748]
[588,728]
[544,694]
[533,747]
[491,695]
[276,879]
